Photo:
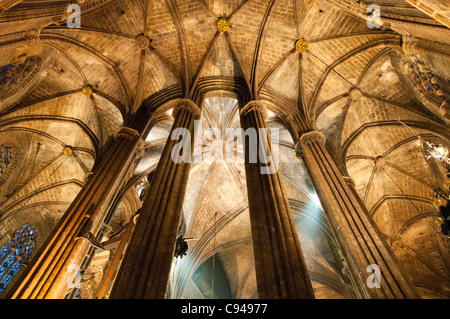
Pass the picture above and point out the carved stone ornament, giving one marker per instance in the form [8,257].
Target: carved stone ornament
[255,106]
[313,137]
[355,94]
[409,45]
[68,151]
[127,133]
[140,148]
[301,45]
[444,109]
[143,41]
[187,105]
[298,151]
[223,25]
[32,37]
[87,90]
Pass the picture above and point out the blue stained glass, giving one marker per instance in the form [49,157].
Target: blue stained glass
[5,67]
[21,244]
[5,250]
[5,157]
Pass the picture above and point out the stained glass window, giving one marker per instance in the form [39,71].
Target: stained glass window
[16,253]
[14,76]
[5,158]
[3,73]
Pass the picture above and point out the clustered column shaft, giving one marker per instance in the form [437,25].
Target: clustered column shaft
[280,266]
[350,218]
[145,269]
[48,277]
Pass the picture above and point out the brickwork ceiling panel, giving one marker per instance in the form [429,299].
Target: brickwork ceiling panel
[285,79]
[279,37]
[162,29]
[365,111]
[395,214]
[221,61]
[381,81]
[223,8]
[98,74]
[199,30]
[244,33]
[125,17]
[325,20]
[157,75]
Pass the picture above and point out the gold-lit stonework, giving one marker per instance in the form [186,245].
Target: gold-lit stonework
[68,151]
[87,90]
[301,45]
[223,25]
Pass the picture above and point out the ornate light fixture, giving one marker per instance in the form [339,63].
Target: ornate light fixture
[438,152]
[181,247]
[443,213]
[441,209]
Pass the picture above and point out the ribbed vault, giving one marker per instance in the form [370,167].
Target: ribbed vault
[350,84]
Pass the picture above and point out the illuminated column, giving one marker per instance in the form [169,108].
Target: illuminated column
[145,269]
[351,222]
[279,263]
[49,276]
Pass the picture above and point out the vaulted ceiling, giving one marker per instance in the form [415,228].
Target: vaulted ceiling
[353,84]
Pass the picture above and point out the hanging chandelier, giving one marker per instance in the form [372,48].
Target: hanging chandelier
[439,152]
[443,215]
[442,209]
[441,203]
[181,247]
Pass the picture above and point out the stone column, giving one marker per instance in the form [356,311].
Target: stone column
[351,222]
[50,274]
[146,266]
[279,263]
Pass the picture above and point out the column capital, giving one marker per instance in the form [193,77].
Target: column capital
[311,137]
[409,45]
[188,105]
[255,105]
[298,150]
[149,112]
[444,109]
[127,133]
[349,180]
